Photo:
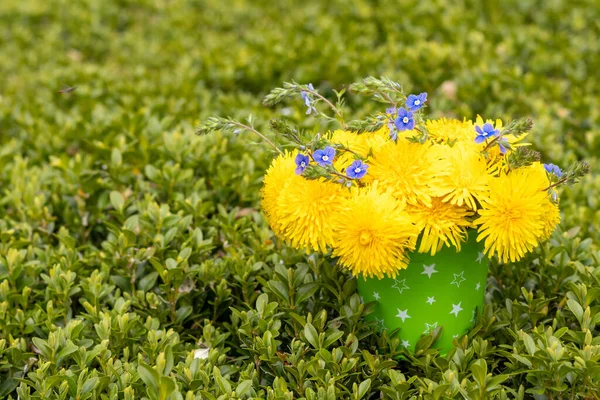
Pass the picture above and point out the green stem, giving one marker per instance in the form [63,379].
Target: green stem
[263,137]
[337,111]
[560,182]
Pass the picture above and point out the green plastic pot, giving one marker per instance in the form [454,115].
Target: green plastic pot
[446,289]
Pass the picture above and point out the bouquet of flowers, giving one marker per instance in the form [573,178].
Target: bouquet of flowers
[375,190]
[394,186]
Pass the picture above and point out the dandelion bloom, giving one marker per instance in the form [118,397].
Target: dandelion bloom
[373,232]
[277,177]
[406,168]
[441,224]
[305,212]
[464,178]
[449,131]
[512,217]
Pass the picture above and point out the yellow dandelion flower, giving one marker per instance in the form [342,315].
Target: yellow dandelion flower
[450,131]
[440,224]
[349,140]
[374,141]
[306,210]
[464,179]
[511,218]
[550,218]
[373,233]
[406,168]
[361,144]
[278,176]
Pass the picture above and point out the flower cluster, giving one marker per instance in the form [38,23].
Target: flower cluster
[375,190]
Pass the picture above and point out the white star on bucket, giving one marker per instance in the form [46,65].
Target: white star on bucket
[478,286]
[429,270]
[458,279]
[480,256]
[400,285]
[456,308]
[405,343]
[430,300]
[402,314]
[380,323]
[430,327]
[376,295]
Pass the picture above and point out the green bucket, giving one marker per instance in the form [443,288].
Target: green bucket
[447,289]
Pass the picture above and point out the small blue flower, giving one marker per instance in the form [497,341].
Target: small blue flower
[391,110]
[308,101]
[415,102]
[488,131]
[553,169]
[302,162]
[324,157]
[357,169]
[405,120]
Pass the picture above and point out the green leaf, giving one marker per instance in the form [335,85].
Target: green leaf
[223,384]
[149,376]
[244,388]
[166,388]
[364,388]
[306,291]
[280,290]
[148,281]
[117,200]
[529,343]
[69,348]
[576,309]
[311,335]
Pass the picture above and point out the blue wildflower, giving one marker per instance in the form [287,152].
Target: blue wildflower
[485,133]
[308,101]
[357,169]
[553,169]
[391,110]
[302,162]
[405,120]
[324,157]
[415,102]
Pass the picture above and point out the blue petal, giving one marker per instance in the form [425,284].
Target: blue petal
[423,97]
[411,124]
[488,128]
[479,139]
[502,148]
[403,112]
[478,130]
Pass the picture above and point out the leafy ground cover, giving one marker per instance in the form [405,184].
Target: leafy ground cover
[128,244]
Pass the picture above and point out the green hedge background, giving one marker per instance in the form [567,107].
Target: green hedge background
[127,243]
